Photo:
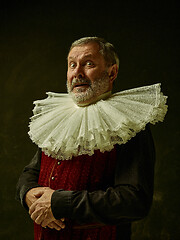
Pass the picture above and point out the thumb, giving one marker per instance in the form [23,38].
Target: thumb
[39,194]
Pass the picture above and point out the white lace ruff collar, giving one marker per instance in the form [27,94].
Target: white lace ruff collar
[63,130]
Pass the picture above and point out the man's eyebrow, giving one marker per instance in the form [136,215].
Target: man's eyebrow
[88,56]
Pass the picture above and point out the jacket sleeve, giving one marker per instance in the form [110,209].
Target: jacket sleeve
[129,199]
[29,178]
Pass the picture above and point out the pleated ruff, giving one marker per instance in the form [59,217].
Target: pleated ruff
[64,130]
[82,172]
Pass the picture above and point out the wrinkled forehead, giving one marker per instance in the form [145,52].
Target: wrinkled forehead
[85,50]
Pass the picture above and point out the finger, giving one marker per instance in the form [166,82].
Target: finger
[46,219]
[39,220]
[42,218]
[32,208]
[54,225]
[37,217]
[60,223]
[45,222]
[36,213]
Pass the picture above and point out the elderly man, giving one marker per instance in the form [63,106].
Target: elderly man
[93,172]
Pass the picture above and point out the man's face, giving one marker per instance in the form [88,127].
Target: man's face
[87,75]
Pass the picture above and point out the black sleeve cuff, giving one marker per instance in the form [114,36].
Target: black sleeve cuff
[61,204]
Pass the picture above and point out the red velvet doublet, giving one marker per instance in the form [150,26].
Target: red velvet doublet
[80,173]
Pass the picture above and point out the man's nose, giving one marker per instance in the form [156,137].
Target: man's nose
[79,73]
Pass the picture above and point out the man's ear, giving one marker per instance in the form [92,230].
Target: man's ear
[113,71]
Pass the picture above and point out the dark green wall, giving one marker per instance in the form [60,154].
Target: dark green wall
[34,40]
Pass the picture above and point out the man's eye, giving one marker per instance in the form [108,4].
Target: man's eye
[72,65]
[89,63]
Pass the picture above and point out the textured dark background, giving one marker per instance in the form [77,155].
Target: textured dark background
[34,41]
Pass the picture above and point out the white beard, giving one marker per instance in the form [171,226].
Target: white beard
[95,89]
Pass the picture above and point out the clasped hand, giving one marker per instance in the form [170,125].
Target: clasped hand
[39,203]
